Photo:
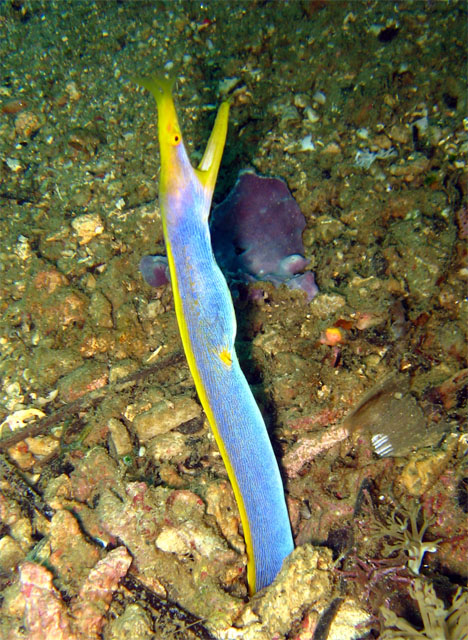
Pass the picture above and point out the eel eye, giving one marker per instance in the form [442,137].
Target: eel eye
[176,138]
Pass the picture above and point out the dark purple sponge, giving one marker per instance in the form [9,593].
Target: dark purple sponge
[256,234]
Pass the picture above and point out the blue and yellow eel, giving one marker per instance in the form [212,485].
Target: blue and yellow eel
[207,325]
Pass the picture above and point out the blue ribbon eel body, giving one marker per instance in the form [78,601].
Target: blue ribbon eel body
[207,325]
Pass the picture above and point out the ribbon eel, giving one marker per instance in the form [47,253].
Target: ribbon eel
[207,325]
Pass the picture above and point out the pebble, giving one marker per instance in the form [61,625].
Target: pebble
[319,97]
[189,536]
[169,446]
[311,114]
[382,141]
[100,310]
[70,553]
[349,621]
[409,169]
[309,447]
[43,446]
[10,554]
[307,144]
[165,416]
[133,623]
[300,100]
[14,106]
[26,123]
[87,227]
[221,504]
[72,91]
[122,369]
[90,376]
[328,228]
[421,472]
[14,165]
[120,437]
[21,456]
[324,305]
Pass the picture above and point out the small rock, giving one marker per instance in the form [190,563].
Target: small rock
[72,91]
[14,165]
[26,123]
[221,504]
[42,446]
[169,446]
[193,537]
[400,133]
[120,438]
[382,141]
[58,492]
[332,149]
[49,280]
[308,448]
[304,583]
[349,622]
[122,369]
[91,376]
[134,623]
[165,416]
[420,264]
[10,554]
[52,312]
[422,470]
[51,364]
[311,114]
[325,305]
[71,555]
[14,106]
[86,483]
[87,227]
[93,342]
[100,310]
[21,455]
[328,228]
[410,168]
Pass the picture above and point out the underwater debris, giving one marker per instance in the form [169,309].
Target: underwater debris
[393,418]
[19,419]
[365,158]
[405,534]
[439,623]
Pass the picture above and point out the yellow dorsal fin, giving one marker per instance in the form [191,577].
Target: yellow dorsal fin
[209,165]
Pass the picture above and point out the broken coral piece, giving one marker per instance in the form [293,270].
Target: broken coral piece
[45,613]
[91,604]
